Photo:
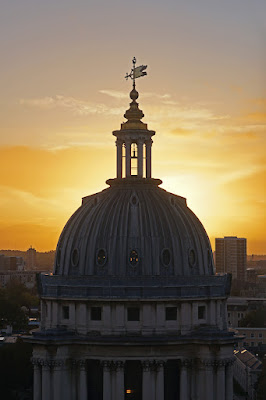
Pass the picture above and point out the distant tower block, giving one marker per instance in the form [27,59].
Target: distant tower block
[31,258]
[231,256]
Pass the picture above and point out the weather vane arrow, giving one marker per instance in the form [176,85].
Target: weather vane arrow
[136,72]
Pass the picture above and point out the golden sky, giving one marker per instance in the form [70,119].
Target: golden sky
[63,93]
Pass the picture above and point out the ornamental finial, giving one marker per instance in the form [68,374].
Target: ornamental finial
[136,72]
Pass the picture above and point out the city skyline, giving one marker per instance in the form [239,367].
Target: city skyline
[63,93]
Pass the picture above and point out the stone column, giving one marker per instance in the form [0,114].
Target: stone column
[128,158]
[148,158]
[229,380]
[220,380]
[46,380]
[208,379]
[83,390]
[147,384]
[140,159]
[119,144]
[107,384]
[37,379]
[159,390]
[119,380]
[57,381]
[184,386]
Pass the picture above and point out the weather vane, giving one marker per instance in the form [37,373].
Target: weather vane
[136,72]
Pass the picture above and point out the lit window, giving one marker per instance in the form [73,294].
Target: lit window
[96,313]
[201,312]
[171,313]
[65,311]
[133,258]
[133,314]
[101,257]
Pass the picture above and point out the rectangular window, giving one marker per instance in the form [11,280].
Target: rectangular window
[229,315]
[133,314]
[171,313]
[201,312]
[96,313]
[65,310]
[260,335]
[252,335]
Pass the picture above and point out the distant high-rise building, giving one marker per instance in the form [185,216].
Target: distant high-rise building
[231,256]
[31,258]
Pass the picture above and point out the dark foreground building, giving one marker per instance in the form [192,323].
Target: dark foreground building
[133,309]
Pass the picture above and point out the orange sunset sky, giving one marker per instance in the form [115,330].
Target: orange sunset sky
[63,92]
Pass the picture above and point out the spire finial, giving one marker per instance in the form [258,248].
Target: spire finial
[136,72]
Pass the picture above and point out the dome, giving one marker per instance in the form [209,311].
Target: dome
[134,228]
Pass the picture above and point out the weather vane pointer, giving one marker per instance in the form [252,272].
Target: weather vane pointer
[136,72]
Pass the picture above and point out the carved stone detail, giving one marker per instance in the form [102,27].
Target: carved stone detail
[152,365]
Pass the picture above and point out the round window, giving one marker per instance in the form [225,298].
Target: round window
[101,257]
[75,257]
[133,258]
[166,257]
[192,257]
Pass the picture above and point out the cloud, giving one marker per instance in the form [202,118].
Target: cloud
[125,95]
[76,106]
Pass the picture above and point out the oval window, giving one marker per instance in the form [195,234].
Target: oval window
[101,257]
[192,257]
[133,258]
[75,257]
[166,257]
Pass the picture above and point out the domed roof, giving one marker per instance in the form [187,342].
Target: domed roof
[134,228]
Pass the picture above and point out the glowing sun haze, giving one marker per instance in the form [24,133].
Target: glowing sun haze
[63,93]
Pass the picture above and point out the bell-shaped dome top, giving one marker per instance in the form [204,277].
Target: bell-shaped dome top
[134,228]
